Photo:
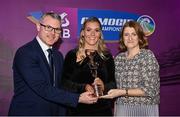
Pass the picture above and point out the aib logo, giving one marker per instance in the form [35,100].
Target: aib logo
[65,24]
[147,24]
[35,17]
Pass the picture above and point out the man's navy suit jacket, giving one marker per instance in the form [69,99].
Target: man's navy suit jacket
[33,90]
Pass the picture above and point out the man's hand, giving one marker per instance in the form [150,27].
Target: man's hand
[87,98]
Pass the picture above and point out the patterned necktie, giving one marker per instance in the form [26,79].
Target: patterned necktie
[51,64]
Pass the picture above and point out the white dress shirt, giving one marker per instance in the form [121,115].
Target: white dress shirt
[44,47]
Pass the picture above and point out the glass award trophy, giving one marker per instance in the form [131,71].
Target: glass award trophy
[93,67]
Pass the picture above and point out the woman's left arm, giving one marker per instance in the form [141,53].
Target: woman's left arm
[150,83]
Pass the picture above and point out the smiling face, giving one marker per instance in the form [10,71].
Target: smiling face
[130,37]
[92,34]
[48,37]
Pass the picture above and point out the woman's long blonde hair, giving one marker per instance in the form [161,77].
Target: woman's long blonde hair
[101,49]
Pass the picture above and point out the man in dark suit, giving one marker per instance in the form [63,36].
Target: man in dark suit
[37,74]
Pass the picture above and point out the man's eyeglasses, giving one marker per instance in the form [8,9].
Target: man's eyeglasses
[50,28]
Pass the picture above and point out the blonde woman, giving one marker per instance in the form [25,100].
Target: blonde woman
[79,76]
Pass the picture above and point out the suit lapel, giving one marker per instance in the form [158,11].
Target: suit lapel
[41,53]
[46,68]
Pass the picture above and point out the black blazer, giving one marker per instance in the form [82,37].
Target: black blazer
[33,91]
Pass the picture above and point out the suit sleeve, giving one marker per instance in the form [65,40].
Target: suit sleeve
[28,65]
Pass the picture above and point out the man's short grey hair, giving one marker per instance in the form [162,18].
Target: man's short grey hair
[53,15]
